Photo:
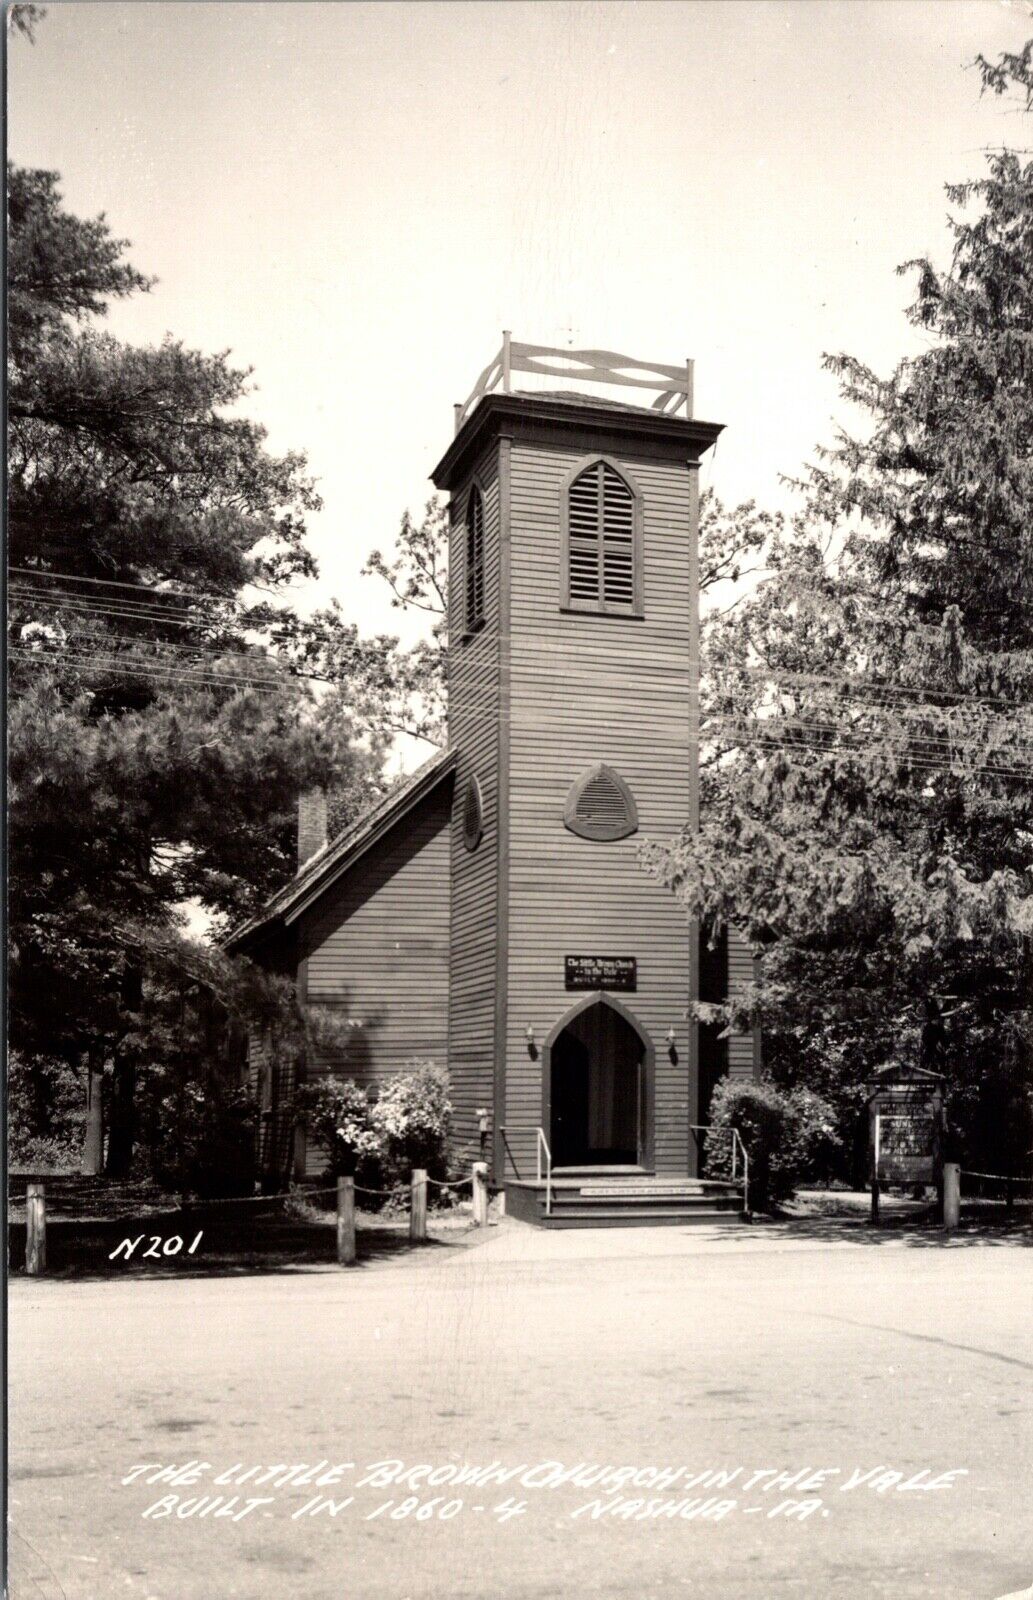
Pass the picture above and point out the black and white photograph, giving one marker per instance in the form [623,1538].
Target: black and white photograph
[518,843]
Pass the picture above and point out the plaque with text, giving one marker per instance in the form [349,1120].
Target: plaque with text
[600,972]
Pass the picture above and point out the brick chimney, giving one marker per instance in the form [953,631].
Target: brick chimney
[311,824]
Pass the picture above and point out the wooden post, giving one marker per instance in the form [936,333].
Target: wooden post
[346,1222]
[951,1194]
[690,369]
[506,368]
[418,1207]
[35,1231]
[480,1194]
[875,1172]
[93,1136]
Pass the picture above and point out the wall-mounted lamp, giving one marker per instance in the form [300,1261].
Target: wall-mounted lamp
[672,1044]
[532,1048]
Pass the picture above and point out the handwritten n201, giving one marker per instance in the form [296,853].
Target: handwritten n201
[168,1247]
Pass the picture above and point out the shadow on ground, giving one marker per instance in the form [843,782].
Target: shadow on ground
[229,1247]
[916,1231]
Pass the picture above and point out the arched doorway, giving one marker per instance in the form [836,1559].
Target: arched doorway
[596,1081]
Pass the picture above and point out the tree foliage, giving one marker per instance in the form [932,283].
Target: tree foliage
[159,733]
[867,801]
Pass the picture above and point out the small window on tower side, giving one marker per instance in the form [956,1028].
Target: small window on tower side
[473,814]
[474,618]
[601,518]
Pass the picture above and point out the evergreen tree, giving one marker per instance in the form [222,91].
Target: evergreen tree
[159,735]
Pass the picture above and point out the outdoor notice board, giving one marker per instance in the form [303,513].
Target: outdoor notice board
[600,972]
[905,1111]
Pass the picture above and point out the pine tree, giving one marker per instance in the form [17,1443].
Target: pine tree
[159,735]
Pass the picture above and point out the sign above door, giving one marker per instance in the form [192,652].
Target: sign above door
[600,972]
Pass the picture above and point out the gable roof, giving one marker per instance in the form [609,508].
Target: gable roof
[328,864]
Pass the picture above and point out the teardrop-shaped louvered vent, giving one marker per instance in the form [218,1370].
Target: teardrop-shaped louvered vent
[600,806]
[473,815]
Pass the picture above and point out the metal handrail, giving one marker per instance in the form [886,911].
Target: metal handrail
[737,1141]
[738,1150]
[542,1143]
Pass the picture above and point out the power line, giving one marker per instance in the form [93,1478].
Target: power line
[115,667]
[905,692]
[743,733]
[111,583]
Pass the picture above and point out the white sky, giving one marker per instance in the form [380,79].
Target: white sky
[356,199]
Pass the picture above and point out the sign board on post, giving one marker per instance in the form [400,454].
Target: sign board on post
[600,972]
[905,1129]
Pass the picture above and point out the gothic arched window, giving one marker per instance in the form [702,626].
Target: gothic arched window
[601,518]
[601,806]
[474,561]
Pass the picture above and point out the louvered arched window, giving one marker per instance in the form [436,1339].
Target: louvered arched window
[602,541]
[474,561]
[473,814]
[601,806]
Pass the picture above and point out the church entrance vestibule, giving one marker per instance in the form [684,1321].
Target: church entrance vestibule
[596,1088]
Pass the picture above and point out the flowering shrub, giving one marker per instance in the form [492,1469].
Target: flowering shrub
[381,1133]
[411,1115]
[337,1114]
[790,1137]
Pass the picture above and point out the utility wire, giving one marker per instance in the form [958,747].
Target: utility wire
[154,609]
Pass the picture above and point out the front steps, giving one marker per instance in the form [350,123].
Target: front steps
[597,1199]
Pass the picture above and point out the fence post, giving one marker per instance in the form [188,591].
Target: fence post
[346,1222]
[480,1194]
[418,1207]
[951,1194]
[35,1230]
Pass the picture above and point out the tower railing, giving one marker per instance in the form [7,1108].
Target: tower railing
[589,366]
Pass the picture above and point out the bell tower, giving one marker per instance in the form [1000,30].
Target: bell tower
[573,712]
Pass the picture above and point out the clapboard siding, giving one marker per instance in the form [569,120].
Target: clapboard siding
[376,949]
[473,729]
[743,1048]
[583,689]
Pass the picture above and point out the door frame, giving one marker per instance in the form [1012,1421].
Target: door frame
[645,1088]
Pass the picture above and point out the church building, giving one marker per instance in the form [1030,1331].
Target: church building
[492,913]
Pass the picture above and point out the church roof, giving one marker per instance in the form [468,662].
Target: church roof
[576,397]
[583,421]
[327,865]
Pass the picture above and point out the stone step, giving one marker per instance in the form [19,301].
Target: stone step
[627,1201]
[657,1216]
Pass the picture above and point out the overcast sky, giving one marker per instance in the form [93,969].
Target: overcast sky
[356,199]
